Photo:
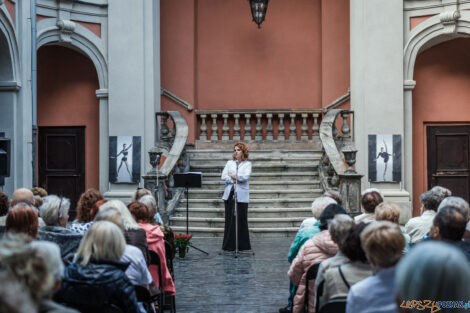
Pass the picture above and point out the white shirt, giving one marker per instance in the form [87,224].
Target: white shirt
[243,185]
[137,272]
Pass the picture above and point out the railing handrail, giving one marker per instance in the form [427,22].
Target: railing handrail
[328,140]
[177,148]
[185,104]
[337,102]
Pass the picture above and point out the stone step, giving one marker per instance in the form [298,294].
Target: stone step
[254,154]
[281,212]
[261,168]
[257,176]
[254,203]
[271,184]
[254,222]
[196,193]
[254,232]
[202,163]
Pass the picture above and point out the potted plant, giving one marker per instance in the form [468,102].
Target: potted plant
[182,242]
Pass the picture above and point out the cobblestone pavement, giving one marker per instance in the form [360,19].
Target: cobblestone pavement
[222,283]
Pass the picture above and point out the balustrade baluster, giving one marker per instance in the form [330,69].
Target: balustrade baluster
[281,135]
[269,127]
[345,128]
[225,128]
[259,127]
[334,129]
[304,126]
[214,133]
[236,127]
[203,127]
[247,135]
[292,127]
[315,127]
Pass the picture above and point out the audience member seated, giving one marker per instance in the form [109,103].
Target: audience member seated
[13,299]
[4,206]
[133,233]
[383,243]
[50,253]
[387,211]
[418,227]
[339,279]
[85,211]
[333,194]
[369,200]
[97,278]
[461,205]
[139,193]
[449,225]
[304,234]
[155,242]
[317,208]
[55,213]
[34,266]
[22,219]
[318,248]
[433,271]
[25,196]
[38,195]
[137,272]
[151,204]
[339,228]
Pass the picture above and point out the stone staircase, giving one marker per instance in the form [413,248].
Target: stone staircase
[282,187]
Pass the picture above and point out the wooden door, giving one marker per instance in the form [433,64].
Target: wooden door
[61,154]
[448,158]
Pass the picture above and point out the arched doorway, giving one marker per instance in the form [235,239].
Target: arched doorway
[68,121]
[441,119]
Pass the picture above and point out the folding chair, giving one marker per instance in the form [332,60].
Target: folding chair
[335,305]
[162,304]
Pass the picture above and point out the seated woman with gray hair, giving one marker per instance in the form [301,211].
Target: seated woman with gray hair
[464,208]
[151,204]
[55,213]
[97,279]
[418,227]
[435,271]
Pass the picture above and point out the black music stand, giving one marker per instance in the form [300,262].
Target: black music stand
[186,180]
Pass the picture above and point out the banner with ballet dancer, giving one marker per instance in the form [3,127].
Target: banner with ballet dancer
[385,158]
[124,159]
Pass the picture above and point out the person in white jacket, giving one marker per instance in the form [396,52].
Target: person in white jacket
[236,176]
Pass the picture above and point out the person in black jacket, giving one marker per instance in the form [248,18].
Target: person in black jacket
[97,279]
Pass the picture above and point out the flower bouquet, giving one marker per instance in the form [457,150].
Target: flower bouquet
[182,242]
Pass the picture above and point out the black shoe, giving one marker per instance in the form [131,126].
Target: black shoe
[287,309]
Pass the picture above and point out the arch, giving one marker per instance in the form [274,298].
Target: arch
[435,30]
[12,64]
[430,33]
[81,39]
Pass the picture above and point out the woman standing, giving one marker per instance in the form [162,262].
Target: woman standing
[236,176]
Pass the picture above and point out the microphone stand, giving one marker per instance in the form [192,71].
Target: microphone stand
[235,198]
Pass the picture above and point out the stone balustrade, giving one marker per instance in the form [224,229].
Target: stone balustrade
[258,125]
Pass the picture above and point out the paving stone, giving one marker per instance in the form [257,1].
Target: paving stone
[221,283]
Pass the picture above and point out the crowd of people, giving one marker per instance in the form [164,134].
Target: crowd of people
[370,263]
[102,259]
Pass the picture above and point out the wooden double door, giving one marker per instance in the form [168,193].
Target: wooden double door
[61,166]
[448,149]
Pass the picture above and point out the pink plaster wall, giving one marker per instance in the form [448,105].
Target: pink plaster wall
[11,9]
[441,96]
[95,28]
[215,57]
[67,82]
[416,20]
[335,50]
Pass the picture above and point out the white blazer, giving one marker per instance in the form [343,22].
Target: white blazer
[244,173]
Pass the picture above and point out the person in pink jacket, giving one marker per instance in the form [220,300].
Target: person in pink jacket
[155,240]
[320,247]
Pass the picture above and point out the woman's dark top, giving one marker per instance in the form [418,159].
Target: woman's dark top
[138,238]
[384,155]
[97,284]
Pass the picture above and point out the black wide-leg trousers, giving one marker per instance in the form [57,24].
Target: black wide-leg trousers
[229,230]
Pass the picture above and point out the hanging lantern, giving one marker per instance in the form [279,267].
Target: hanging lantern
[258,10]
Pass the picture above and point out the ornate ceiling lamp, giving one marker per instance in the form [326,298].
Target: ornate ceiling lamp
[258,10]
